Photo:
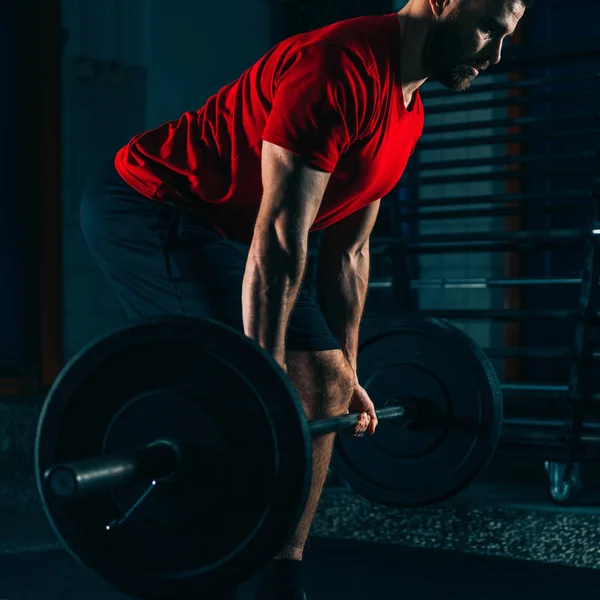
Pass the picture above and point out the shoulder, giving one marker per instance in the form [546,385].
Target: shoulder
[360,42]
[332,64]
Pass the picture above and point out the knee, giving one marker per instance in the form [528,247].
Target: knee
[334,391]
[339,388]
[324,381]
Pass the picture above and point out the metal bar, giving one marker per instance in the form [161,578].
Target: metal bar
[481,88]
[504,139]
[521,246]
[482,282]
[95,476]
[551,54]
[537,99]
[485,236]
[431,130]
[533,387]
[572,208]
[473,283]
[503,175]
[333,424]
[544,397]
[505,160]
[540,392]
[585,197]
[585,338]
[541,432]
[528,389]
[547,423]
[500,315]
[541,353]
[550,451]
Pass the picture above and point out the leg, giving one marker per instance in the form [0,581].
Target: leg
[324,381]
[161,260]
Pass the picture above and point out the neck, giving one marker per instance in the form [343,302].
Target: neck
[414,29]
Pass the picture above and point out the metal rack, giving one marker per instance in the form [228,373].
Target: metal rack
[555,421]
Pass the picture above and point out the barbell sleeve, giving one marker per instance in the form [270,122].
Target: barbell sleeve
[93,476]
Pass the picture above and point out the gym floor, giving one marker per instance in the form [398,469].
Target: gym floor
[501,540]
[340,569]
[361,551]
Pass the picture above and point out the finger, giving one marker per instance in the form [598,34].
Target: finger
[374,421]
[362,423]
[359,428]
[373,425]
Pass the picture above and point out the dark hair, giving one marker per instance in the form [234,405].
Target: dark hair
[525,3]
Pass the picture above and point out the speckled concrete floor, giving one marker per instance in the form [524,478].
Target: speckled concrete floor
[550,536]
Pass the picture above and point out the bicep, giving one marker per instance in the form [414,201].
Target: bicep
[351,235]
[292,194]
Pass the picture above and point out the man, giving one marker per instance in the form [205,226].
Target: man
[210,215]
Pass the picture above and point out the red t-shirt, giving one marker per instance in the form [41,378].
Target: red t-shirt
[331,96]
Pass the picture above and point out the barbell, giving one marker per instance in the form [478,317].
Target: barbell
[173,457]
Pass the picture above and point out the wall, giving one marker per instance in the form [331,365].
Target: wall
[460,265]
[129,66]
[472,264]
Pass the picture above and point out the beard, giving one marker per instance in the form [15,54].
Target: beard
[445,57]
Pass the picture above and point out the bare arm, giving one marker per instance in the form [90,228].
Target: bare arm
[292,195]
[343,276]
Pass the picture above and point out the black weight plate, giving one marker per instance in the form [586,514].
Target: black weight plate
[458,423]
[219,394]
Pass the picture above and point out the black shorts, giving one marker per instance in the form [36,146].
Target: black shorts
[163,260]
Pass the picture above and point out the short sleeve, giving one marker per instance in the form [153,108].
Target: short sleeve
[322,103]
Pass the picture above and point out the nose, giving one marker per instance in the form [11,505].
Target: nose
[494,55]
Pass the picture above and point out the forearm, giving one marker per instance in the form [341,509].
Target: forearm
[269,291]
[342,283]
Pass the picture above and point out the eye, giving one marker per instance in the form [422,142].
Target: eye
[492,29]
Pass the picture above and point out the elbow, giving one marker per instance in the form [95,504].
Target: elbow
[348,256]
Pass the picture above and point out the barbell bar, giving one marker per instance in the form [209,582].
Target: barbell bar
[161,460]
